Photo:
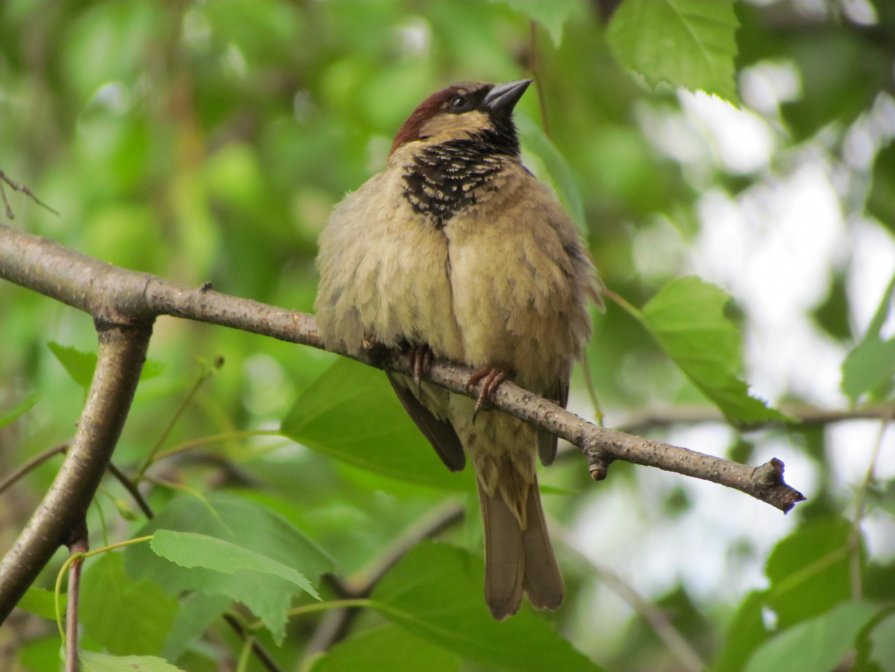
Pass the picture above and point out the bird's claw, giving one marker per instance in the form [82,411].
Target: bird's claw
[491,378]
[420,360]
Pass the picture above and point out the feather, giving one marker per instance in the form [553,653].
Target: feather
[547,441]
[440,433]
[518,557]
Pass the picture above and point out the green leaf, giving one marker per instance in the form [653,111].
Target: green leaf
[881,199]
[41,602]
[830,92]
[871,364]
[121,28]
[263,30]
[882,643]
[689,43]
[197,612]
[235,523]
[189,549]
[78,364]
[687,318]
[39,654]
[386,648]
[121,614]
[806,584]
[435,593]
[352,414]
[560,174]
[101,662]
[817,645]
[868,366]
[745,633]
[551,14]
[19,409]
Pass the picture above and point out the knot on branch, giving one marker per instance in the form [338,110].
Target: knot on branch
[769,485]
[597,460]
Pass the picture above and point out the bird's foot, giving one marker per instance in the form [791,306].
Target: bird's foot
[491,378]
[421,359]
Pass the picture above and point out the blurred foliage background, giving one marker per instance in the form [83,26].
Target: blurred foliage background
[208,140]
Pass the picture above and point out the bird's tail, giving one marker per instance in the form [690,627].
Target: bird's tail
[518,554]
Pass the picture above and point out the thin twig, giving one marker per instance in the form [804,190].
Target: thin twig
[335,625]
[854,537]
[132,488]
[78,546]
[31,464]
[214,438]
[804,414]
[262,654]
[655,617]
[361,584]
[122,351]
[22,189]
[37,460]
[181,407]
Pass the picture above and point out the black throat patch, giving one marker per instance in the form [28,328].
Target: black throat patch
[448,178]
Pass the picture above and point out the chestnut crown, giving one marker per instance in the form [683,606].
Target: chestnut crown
[466,110]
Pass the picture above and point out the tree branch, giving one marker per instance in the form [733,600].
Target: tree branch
[122,350]
[806,414]
[119,296]
[77,545]
[257,648]
[676,643]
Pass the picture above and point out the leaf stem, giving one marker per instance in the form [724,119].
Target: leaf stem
[184,403]
[854,537]
[214,438]
[356,603]
[625,305]
[245,653]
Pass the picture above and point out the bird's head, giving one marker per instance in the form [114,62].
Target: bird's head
[469,110]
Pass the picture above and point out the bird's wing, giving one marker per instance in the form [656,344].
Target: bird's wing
[559,394]
[440,433]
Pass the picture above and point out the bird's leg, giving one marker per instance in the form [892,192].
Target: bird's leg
[490,377]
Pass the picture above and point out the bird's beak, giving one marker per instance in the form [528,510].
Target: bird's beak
[503,97]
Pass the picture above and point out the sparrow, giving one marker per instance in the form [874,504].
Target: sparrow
[457,251]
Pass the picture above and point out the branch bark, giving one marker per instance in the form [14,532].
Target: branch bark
[807,416]
[122,351]
[115,296]
[78,544]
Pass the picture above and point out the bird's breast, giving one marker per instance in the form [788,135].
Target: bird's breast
[515,295]
[444,180]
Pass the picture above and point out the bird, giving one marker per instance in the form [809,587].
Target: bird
[457,251]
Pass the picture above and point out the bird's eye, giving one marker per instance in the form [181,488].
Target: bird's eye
[458,102]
